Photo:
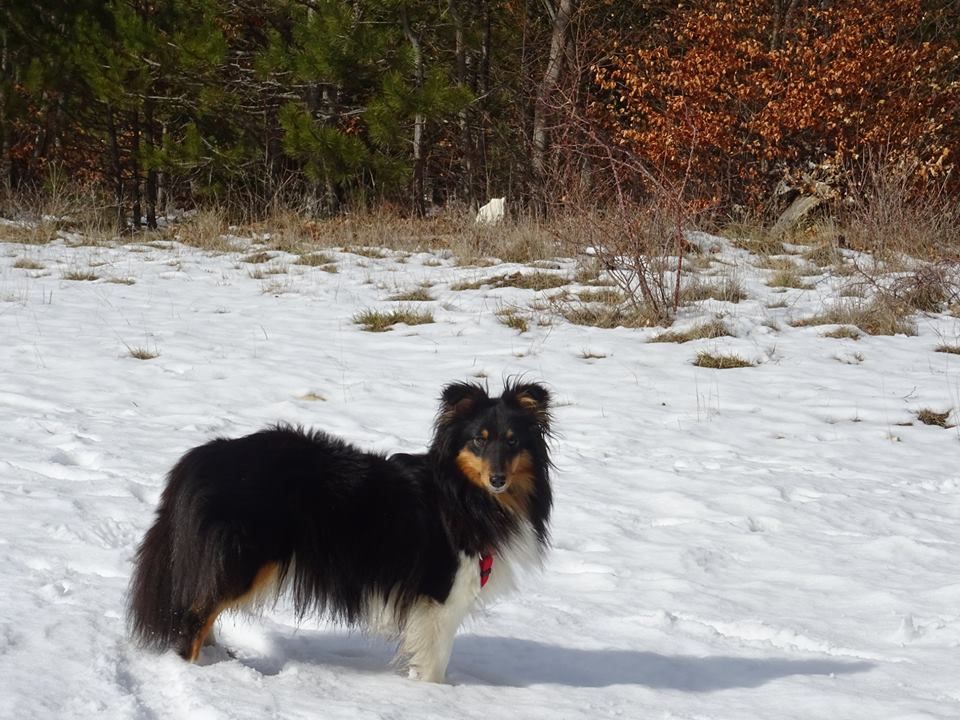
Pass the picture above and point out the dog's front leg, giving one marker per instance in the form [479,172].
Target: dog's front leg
[432,626]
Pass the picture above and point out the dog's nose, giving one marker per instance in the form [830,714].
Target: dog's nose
[498,481]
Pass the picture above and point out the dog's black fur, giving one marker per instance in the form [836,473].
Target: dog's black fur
[337,525]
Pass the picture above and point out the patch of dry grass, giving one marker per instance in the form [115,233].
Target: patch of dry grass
[524,281]
[417,295]
[257,258]
[874,317]
[844,332]
[602,315]
[761,244]
[950,349]
[933,417]
[823,255]
[312,396]
[142,353]
[512,318]
[376,253]
[892,214]
[726,289]
[80,275]
[711,329]
[29,233]
[314,259]
[789,279]
[204,229]
[380,321]
[721,361]
[28,264]
[610,296]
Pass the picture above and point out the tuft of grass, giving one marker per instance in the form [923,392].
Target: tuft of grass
[417,295]
[40,233]
[331,268]
[711,329]
[876,317]
[823,255]
[141,353]
[533,281]
[368,252]
[122,281]
[608,295]
[756,241]
[259,273]
[312,397]
[277,286]
[728,289]
[205,230]
[604,316]
[843,332]
[522,241]
[789,279]
[475,285]
[257,258]
[316,259]
[952,349]
[513,319]
[776,262]
[592,273]
[720,361]
[28,264]
[84,275]
[379,321]
[524,281]
[932,417]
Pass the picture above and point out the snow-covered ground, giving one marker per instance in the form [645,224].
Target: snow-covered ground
[771,542]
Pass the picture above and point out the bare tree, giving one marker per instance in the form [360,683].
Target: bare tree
[562,13]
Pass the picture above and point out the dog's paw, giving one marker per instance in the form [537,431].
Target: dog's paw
[426,675]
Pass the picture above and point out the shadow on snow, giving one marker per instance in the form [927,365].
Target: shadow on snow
[498,661]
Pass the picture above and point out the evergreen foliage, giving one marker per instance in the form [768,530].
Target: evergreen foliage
[328,105]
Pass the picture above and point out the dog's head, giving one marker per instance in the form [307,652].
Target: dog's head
[497,443]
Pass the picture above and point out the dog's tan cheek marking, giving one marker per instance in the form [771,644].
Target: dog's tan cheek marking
[474,468]
[520,484]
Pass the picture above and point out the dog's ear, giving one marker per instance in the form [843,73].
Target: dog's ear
[532,398]
[459,399]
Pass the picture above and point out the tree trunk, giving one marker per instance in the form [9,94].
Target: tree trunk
[6,167]
[151,140]
[782,15]
[419,121]
[135,167]
[541,109]
[117,170]
[483,91]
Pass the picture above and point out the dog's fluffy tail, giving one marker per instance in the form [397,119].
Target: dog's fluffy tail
[179,568]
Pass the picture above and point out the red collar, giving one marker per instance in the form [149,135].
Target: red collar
[486,566]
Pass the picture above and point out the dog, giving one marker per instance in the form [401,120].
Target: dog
[405,545]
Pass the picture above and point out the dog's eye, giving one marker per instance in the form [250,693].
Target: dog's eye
[512,441]
[479,441]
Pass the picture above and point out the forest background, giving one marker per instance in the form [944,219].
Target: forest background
[729,109]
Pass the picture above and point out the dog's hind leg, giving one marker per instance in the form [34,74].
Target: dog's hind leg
[198,623]
[431,627]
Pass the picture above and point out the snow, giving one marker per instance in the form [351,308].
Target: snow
[769,542]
